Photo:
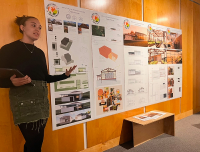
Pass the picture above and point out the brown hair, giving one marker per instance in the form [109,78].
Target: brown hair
[22,20]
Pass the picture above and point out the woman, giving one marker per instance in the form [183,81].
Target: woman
[29,103]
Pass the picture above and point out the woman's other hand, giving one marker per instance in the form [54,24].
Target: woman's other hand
[68,72]
[20,81]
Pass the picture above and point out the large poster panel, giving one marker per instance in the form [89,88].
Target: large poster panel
[122,64]
[69,43]
[108,63]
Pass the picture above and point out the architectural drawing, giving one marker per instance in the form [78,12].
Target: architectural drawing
[107,74]
[135,62]
[133,72]
[130,92]
[133,81]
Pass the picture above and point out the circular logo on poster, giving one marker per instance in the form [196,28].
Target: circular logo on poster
[68,16]
[150,28]
[52,10]
[95,18]
[126,24]
[168,31]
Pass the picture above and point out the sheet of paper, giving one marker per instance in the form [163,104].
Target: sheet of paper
[136,76]
[157,83]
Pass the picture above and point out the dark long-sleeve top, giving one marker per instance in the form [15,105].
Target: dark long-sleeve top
[15,55]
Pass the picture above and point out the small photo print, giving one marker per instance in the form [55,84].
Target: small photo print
[174,56]
[54,21]
[72,117]
[54,46]
[157,56]
[65,29]
[82,25]
[170,82]
[50,27]
[98,30]
[79,30]
[170,93]
[69,23]
[170,70]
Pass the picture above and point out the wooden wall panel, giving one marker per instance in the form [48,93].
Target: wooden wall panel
[107,128]
[166,13]
[11,140]
[196,61]
[129,8]
[162,12]
[10,137]
[172,106]
[187,45]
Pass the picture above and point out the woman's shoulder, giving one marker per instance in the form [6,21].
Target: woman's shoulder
[9,46]
[39,50]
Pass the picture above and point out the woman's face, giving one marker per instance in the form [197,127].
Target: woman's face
[31,29]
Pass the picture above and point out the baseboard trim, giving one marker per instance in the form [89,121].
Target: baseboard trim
[103,146]
[183,115]
[115,142]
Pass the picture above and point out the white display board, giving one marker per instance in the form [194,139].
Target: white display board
[69,43]
[122,64]
[108,63]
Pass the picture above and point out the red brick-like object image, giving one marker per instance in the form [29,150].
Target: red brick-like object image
[105,51]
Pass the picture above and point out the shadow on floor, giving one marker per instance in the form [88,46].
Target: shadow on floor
[196,125]
[127,145]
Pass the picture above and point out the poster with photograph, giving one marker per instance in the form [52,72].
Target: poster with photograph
[174,38]
[136,76]
[174,56]
[157,56]
[156,36]
[135,33]
[108,62]
[122,64]
[69,43]
[174,81]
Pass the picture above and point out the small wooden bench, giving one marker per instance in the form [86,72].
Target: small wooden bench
[140,131]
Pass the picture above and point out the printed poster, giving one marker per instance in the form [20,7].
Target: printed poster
[69,44]
[122,64]
[108,63]
[136,76]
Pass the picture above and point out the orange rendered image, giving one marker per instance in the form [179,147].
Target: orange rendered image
[107,53]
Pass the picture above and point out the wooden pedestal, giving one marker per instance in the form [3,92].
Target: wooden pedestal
[140,131]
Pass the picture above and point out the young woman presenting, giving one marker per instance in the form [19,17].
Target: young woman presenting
[29,103]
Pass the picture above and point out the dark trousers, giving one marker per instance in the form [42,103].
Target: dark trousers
[33,134]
